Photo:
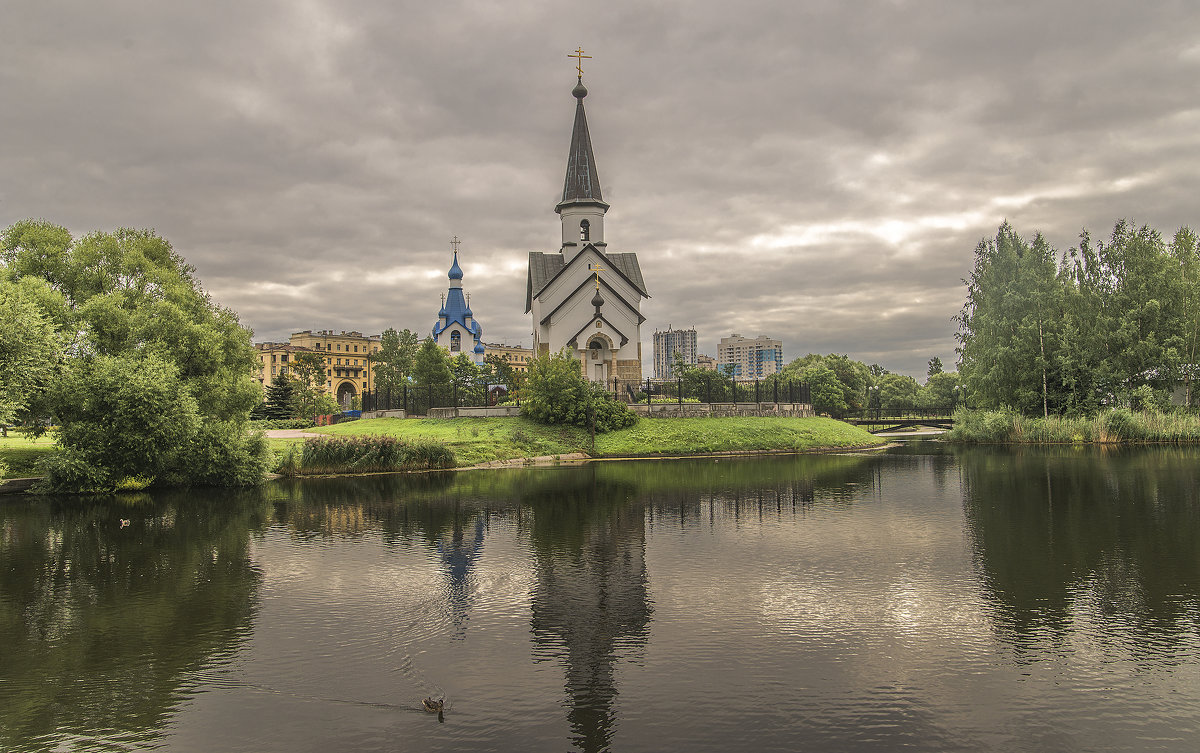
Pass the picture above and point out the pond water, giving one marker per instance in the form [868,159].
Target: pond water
[927,597]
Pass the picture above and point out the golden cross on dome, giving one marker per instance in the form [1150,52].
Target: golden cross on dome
[454,243]
[597,269]
[579,58]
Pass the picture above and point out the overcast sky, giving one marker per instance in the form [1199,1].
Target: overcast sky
[818,172]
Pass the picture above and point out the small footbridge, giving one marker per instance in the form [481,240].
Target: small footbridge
[886,421]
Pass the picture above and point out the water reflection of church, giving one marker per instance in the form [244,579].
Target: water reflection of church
[590,600]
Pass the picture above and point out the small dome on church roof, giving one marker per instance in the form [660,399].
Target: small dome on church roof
[455,270]
[597,300]
[478,347]
[580,91]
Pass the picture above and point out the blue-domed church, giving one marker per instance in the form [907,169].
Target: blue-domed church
[456,329]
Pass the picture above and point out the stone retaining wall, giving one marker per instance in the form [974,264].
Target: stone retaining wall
[384,414]
[495,411]
[722,410]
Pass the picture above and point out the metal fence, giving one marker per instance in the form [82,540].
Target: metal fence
[418,399]
[723,391]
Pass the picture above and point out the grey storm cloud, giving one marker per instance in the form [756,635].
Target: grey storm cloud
[819,172]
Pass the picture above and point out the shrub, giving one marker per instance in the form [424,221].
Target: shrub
[556,394]
[372,454]
[133,483]
[283,423]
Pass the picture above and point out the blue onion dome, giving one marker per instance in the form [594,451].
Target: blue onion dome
[468,312]
[479,347]
[455,270]
[442,312]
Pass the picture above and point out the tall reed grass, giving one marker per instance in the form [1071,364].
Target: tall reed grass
[1118,426]
[366,454]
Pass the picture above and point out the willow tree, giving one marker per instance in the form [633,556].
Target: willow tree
[149,355]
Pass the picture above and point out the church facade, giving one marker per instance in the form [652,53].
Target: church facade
[584,297]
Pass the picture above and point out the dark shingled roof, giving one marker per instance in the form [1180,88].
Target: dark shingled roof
[544,267]
[583,182]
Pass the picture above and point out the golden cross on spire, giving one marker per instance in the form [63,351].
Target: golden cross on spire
[579,58]
[597,269]
[454,243]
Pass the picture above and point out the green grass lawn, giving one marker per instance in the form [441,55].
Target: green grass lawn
[686,436]
[478,440]
[20,453]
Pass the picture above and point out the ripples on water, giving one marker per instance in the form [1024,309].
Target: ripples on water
[929,599]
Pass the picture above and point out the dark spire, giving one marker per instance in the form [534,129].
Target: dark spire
[582,183]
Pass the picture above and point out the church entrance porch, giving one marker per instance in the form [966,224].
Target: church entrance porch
[598,360]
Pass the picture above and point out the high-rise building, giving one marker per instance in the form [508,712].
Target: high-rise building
[667,344]
[746,360]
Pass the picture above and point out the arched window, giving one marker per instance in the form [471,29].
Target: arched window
[455,341]
[585,230]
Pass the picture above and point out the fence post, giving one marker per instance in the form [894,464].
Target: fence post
[757,392]
[777,390]
[679,390]
[454,393]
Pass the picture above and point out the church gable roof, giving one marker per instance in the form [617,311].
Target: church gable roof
[587,283]
[545,268]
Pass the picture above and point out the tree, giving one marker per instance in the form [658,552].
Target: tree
[851,378]
[828,393]
[1011,323]
[502,372]
[463,371]
[431,366]
[1185,248]
[935,366]
[308,375]
[705,384]
[30,350]
[941,392]
[281,398]
[898,392]
[393,363]
[130,301]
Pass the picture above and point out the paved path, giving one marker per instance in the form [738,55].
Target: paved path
[290,434]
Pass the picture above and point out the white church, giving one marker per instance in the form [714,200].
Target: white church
[584,297]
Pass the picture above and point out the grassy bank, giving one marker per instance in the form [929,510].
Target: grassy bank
[1110,427]
[478,440]
[21,453]
[693,436]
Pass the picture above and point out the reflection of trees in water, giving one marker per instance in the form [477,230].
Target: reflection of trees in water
[1113,532]
[99,623]
[706,491]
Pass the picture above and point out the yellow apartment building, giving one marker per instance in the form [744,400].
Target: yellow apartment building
[346,355]
[514,355]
